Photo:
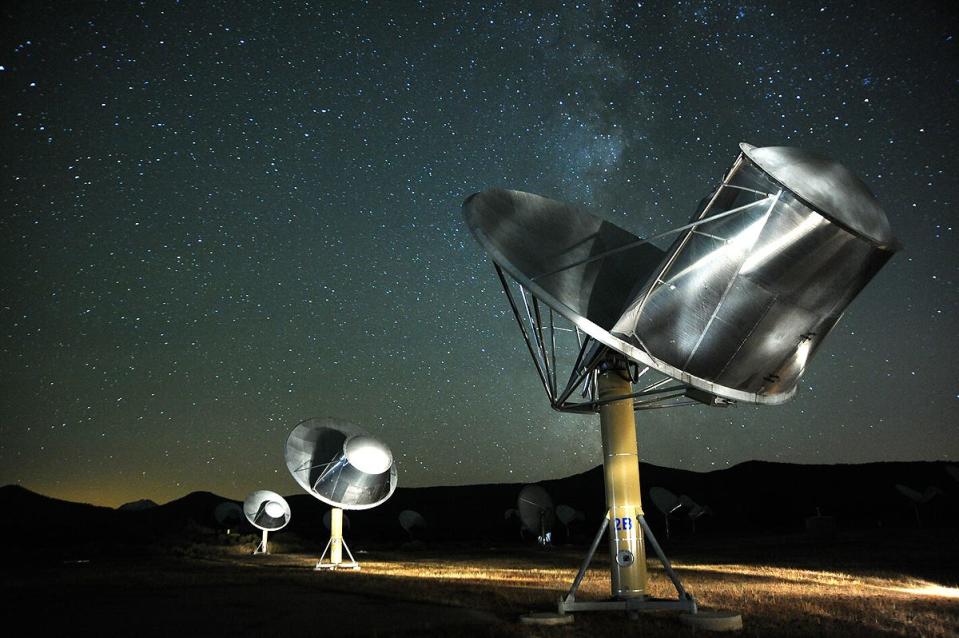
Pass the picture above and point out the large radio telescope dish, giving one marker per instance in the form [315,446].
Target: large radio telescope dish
[733,310]
[340,464]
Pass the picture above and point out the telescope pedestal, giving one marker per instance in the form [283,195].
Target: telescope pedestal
[336,545]
[627,551]
[262,547]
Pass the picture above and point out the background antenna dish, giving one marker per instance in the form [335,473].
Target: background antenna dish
[413,522]
[228,515]
[693,510]
[667,503]
[918,498]
[267,511]
[342,465]
[536,512]
[567,516]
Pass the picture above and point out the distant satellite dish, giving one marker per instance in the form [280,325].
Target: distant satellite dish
[567,516]
[267,511]
[667,503]
[693,510]
[343,466]
[536,512]
[228,515]
[664,500]
[732,310]
[918,498]
[413,522]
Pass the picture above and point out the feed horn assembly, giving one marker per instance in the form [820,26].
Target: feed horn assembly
[732,310]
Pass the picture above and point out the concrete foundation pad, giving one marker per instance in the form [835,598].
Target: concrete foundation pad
[546,618]
[713,620]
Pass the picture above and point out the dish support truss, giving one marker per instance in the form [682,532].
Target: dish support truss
[553,341]
[602,380]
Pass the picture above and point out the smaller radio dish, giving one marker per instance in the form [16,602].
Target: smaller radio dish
[536,512]
[666,502]
[413,522]
[919,497]
[568,515]
[228,515]
[267,511]
[340,464]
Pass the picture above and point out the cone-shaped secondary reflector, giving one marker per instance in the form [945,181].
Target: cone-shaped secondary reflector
[368,455]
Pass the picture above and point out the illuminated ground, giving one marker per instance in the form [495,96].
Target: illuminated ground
[435,591]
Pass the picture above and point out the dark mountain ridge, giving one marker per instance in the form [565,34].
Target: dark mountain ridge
[752,497]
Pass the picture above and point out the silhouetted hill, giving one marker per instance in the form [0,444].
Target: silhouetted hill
[137,506]
[752,497]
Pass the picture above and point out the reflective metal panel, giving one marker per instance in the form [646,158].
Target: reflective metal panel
[743,302]
[533,238]
[266,510]
[340,464]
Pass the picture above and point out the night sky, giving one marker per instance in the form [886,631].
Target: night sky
[221,218]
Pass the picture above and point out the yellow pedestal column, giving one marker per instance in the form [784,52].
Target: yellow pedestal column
[621,472]
[336,536]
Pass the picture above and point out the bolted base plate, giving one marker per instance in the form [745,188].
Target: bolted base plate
[331,566]
[638,605]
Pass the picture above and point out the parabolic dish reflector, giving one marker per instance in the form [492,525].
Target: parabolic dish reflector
[266,510]
[228,514]
[340,464]
[536,509]
[739,302]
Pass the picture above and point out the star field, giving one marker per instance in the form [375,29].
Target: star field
[221,218]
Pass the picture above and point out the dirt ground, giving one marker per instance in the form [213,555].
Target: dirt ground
[873,586]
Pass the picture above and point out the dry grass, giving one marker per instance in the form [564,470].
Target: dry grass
[774,599]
